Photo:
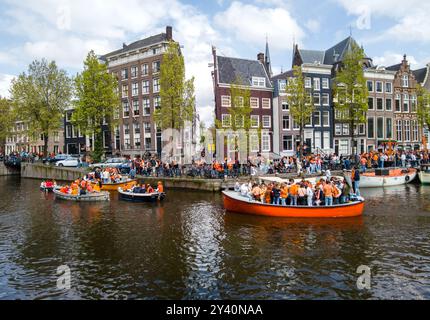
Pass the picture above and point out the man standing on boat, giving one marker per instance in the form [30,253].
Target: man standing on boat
[356,181]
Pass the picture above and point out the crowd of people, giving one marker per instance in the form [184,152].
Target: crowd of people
[325,192]
[81,187]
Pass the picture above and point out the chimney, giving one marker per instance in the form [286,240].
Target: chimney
[260,57]
[169,33]
[124,45]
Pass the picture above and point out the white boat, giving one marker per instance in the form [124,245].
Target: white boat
[89,197]
[395,177]
[424,174]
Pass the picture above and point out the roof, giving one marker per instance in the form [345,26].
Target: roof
[395,67]
[230,69]
[283,76]
[312,56]
[420,74]
[138,44]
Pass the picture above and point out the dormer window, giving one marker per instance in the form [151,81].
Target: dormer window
[258,82]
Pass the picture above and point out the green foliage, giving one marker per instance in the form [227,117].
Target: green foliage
[300,101]
[40,97]
[6,119]
[177,96]
[350,90]
[423,106]
[97,101]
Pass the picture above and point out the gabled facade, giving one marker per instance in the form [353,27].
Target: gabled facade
[408,133]
[254,75]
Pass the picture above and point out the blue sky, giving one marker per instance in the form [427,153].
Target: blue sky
[65,31]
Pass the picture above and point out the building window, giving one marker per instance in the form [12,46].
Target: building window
[413,104]
[254,102]
[157,102]
[326,119]
[146,107]
[285,106]
[136,127]
[156,66]
[317,140]
[125,109]
[345,129]
[282,86]
[124,74]
[144,69]
[133,72]
[147,127]
[267,121]
[379,88]
[326,136]
[287,142]
[156,84]
[361,129]
[255,121]
[380,128]
[317,99]
[126,129]
[238,102]
[137,142]
[68,116]
[225,101]
[325,99]
[406,103]
[317,119]
[388,87]
[308,83]
[407,126]
[135,89]
[69,131]
[285,122]
[388,104]
[136,107]
[145,87]
[405,81]
[370,103]
[265,103]
[398,108]
[370,86]
[265,143]
[125,90]
[371,128]
[379,104]
[325,83]
[226,120]
[415,130]
[258,82]
[399,135]
[295,125]
[389,128]
[317,84]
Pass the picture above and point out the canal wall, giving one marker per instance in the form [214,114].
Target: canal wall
[41,171]
[210,185]
[6,171]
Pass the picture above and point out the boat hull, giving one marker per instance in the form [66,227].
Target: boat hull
[92,197]
[234,203]
[114,186]
[424,177]
[140,197]
[394,179]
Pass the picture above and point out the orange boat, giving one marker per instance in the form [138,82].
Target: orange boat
[235,202]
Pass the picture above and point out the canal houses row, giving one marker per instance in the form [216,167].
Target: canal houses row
[392,102]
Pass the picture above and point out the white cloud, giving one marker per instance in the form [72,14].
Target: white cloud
[390,58]
[411,22]
[5,80]
[250,24]
[313,25]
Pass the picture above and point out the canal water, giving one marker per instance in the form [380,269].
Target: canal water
[190,248]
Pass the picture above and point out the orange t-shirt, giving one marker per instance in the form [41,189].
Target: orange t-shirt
[294,190]
[328,190]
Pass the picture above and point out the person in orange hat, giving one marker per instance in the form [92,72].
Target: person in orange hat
[160,188]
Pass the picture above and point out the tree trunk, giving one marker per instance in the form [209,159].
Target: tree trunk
[302,137]
[45,145]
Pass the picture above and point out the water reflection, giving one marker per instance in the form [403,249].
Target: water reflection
[189,248]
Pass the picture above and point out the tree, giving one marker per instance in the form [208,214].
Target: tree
[177,97]
[350,92]
[97,101]
[423,106]
[300,101]
[6,121]
[40,97]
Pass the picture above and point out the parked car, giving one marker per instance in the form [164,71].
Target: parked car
[69,162]
[125,167]
[55,159]
[109,163]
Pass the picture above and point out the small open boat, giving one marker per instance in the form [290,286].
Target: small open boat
[235,202]
[387,178]
[140,197]
[424,174]
[47,187]
[127,184]
[89,197]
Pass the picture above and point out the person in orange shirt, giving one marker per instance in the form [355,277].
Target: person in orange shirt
[263,190]
[328,193]
[160,188]
[284,194]
[268,196]
[293,193]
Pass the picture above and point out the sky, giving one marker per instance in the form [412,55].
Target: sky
[66,30]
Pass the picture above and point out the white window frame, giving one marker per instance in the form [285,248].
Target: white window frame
[373,85]
[325,83]
[328,99]
[376,86]
[225,101]
[308,83]
[317,114]
[253,116]
[267,136]
[328,119]
[317,84]
[265,103]
[256,104]
[264,121]
[224,118]
[289,122]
